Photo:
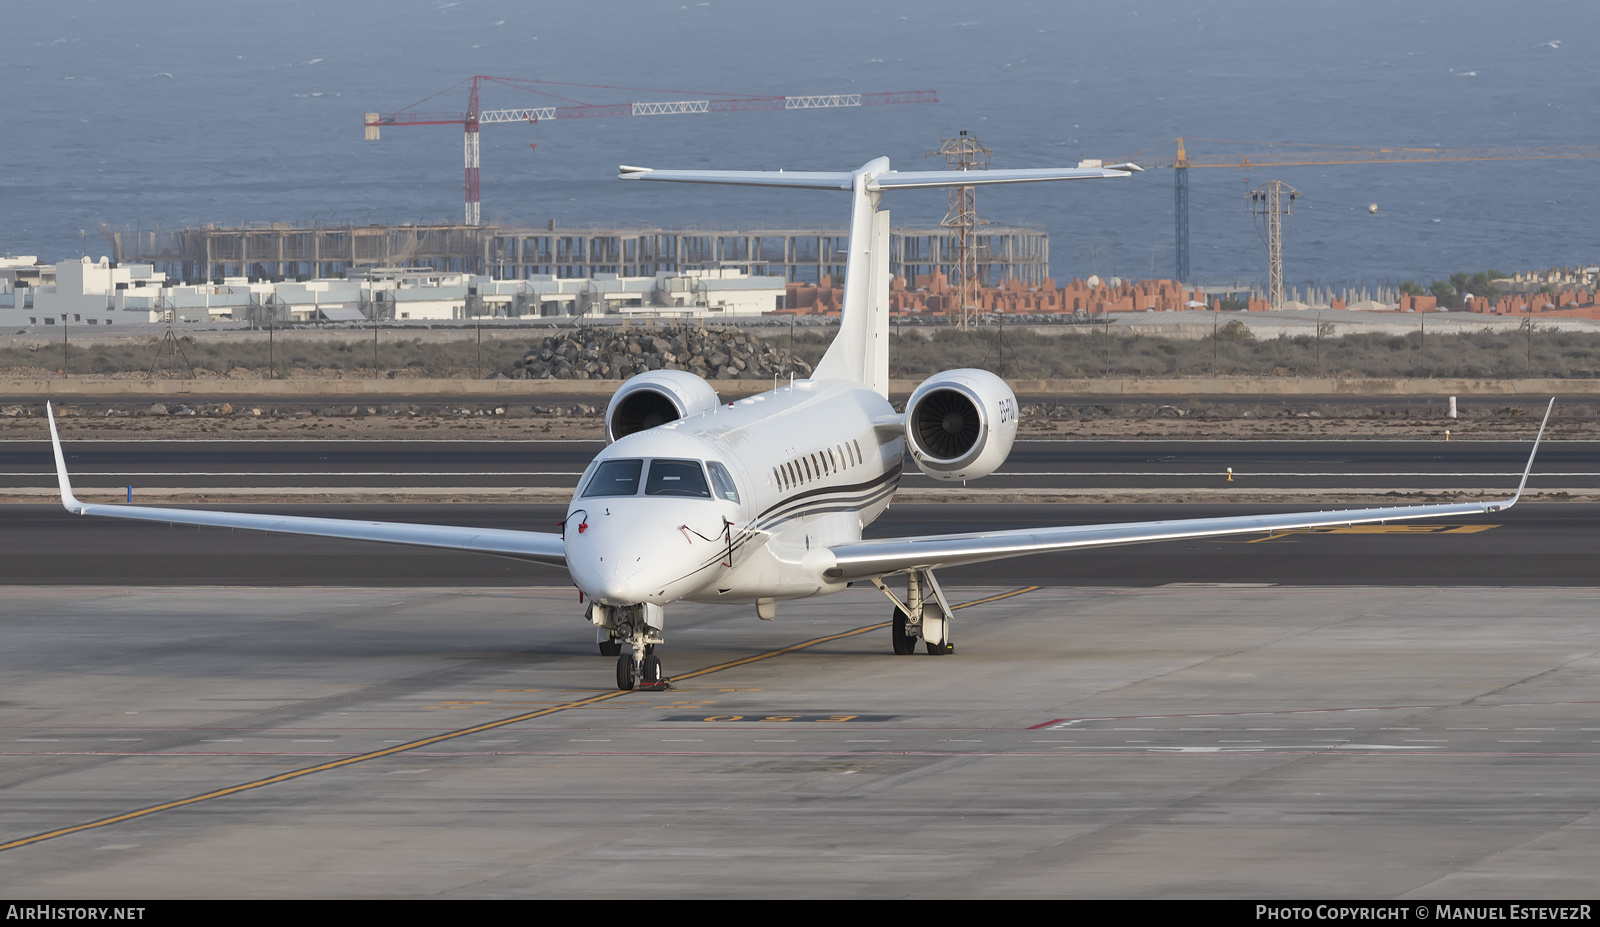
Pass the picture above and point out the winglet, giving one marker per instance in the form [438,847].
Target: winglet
[1531,454]
[71,503]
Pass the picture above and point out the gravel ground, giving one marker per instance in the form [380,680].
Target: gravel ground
[480,421]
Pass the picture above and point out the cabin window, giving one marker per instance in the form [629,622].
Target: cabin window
[722,482]
[677,478]
[615,478]
[810,474]
[858,450]
[832,460]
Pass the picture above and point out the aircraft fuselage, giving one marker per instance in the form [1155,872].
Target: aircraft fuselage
[654,521]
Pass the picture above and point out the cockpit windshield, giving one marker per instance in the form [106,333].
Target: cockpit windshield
[677,478]
[615,478]
[668,477]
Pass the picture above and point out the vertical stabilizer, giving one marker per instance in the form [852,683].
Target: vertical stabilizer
[861,350]
[877,347]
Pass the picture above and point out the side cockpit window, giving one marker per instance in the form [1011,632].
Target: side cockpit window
[677,478]
[722,482]
[615,478]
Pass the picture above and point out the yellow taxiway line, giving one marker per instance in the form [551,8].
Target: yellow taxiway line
[439,738]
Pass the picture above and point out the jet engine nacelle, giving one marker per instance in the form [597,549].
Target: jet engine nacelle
[960,424]
[655,398]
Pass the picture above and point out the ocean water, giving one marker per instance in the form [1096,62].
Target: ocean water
[179,113]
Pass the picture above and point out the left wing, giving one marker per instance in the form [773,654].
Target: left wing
[862,559]
[521,545]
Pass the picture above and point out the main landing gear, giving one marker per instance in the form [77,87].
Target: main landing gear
[924,615]
[639,627]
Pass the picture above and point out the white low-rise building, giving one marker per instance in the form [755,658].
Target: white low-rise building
[86,292]
[83,292]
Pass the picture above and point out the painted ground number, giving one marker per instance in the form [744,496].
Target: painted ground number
[797,717]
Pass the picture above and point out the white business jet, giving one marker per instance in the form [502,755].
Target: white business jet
[765,499]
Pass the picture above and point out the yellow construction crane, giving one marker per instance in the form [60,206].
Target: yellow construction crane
[1282,154]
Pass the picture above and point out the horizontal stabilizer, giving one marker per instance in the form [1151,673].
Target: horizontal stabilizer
[915,180]
[813,180]
[886,180]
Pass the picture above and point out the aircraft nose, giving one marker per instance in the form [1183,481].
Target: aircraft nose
[613,579]
[625,555]
[608,563]
[617,586]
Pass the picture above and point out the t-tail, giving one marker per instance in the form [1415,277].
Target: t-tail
[861,351]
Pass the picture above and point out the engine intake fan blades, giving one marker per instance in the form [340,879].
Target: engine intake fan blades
[641,410]
[946,424]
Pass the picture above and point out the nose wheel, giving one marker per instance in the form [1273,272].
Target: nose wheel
[642,673]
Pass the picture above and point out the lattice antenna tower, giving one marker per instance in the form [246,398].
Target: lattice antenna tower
[964,153]
[169,346]
[1270,203]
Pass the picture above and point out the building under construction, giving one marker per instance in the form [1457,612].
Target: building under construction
[286,252]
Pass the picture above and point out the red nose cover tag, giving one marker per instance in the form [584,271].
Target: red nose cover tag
[583,526]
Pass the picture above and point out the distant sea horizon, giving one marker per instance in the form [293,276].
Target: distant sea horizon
[187,113]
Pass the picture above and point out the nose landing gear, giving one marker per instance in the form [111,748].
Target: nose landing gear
[919,619]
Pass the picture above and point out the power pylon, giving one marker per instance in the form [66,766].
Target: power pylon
[964,153]
[1268,207]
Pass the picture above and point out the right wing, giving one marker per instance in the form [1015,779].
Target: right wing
[533,546]
[864,559]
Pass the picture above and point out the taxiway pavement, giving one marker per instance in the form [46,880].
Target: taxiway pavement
[1534,544]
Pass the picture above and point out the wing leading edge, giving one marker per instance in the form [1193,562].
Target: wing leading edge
[532,546]
[861,559]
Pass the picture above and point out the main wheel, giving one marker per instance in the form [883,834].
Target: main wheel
[652,669]
[610,648]
[625,678]
[903,642]
[940,650]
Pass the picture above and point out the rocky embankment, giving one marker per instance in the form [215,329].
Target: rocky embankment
[610,354]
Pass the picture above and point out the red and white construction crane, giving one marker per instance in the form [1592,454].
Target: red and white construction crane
[566,108]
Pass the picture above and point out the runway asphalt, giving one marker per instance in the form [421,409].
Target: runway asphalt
[1391,712]
[1535,544]
[1182,465]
